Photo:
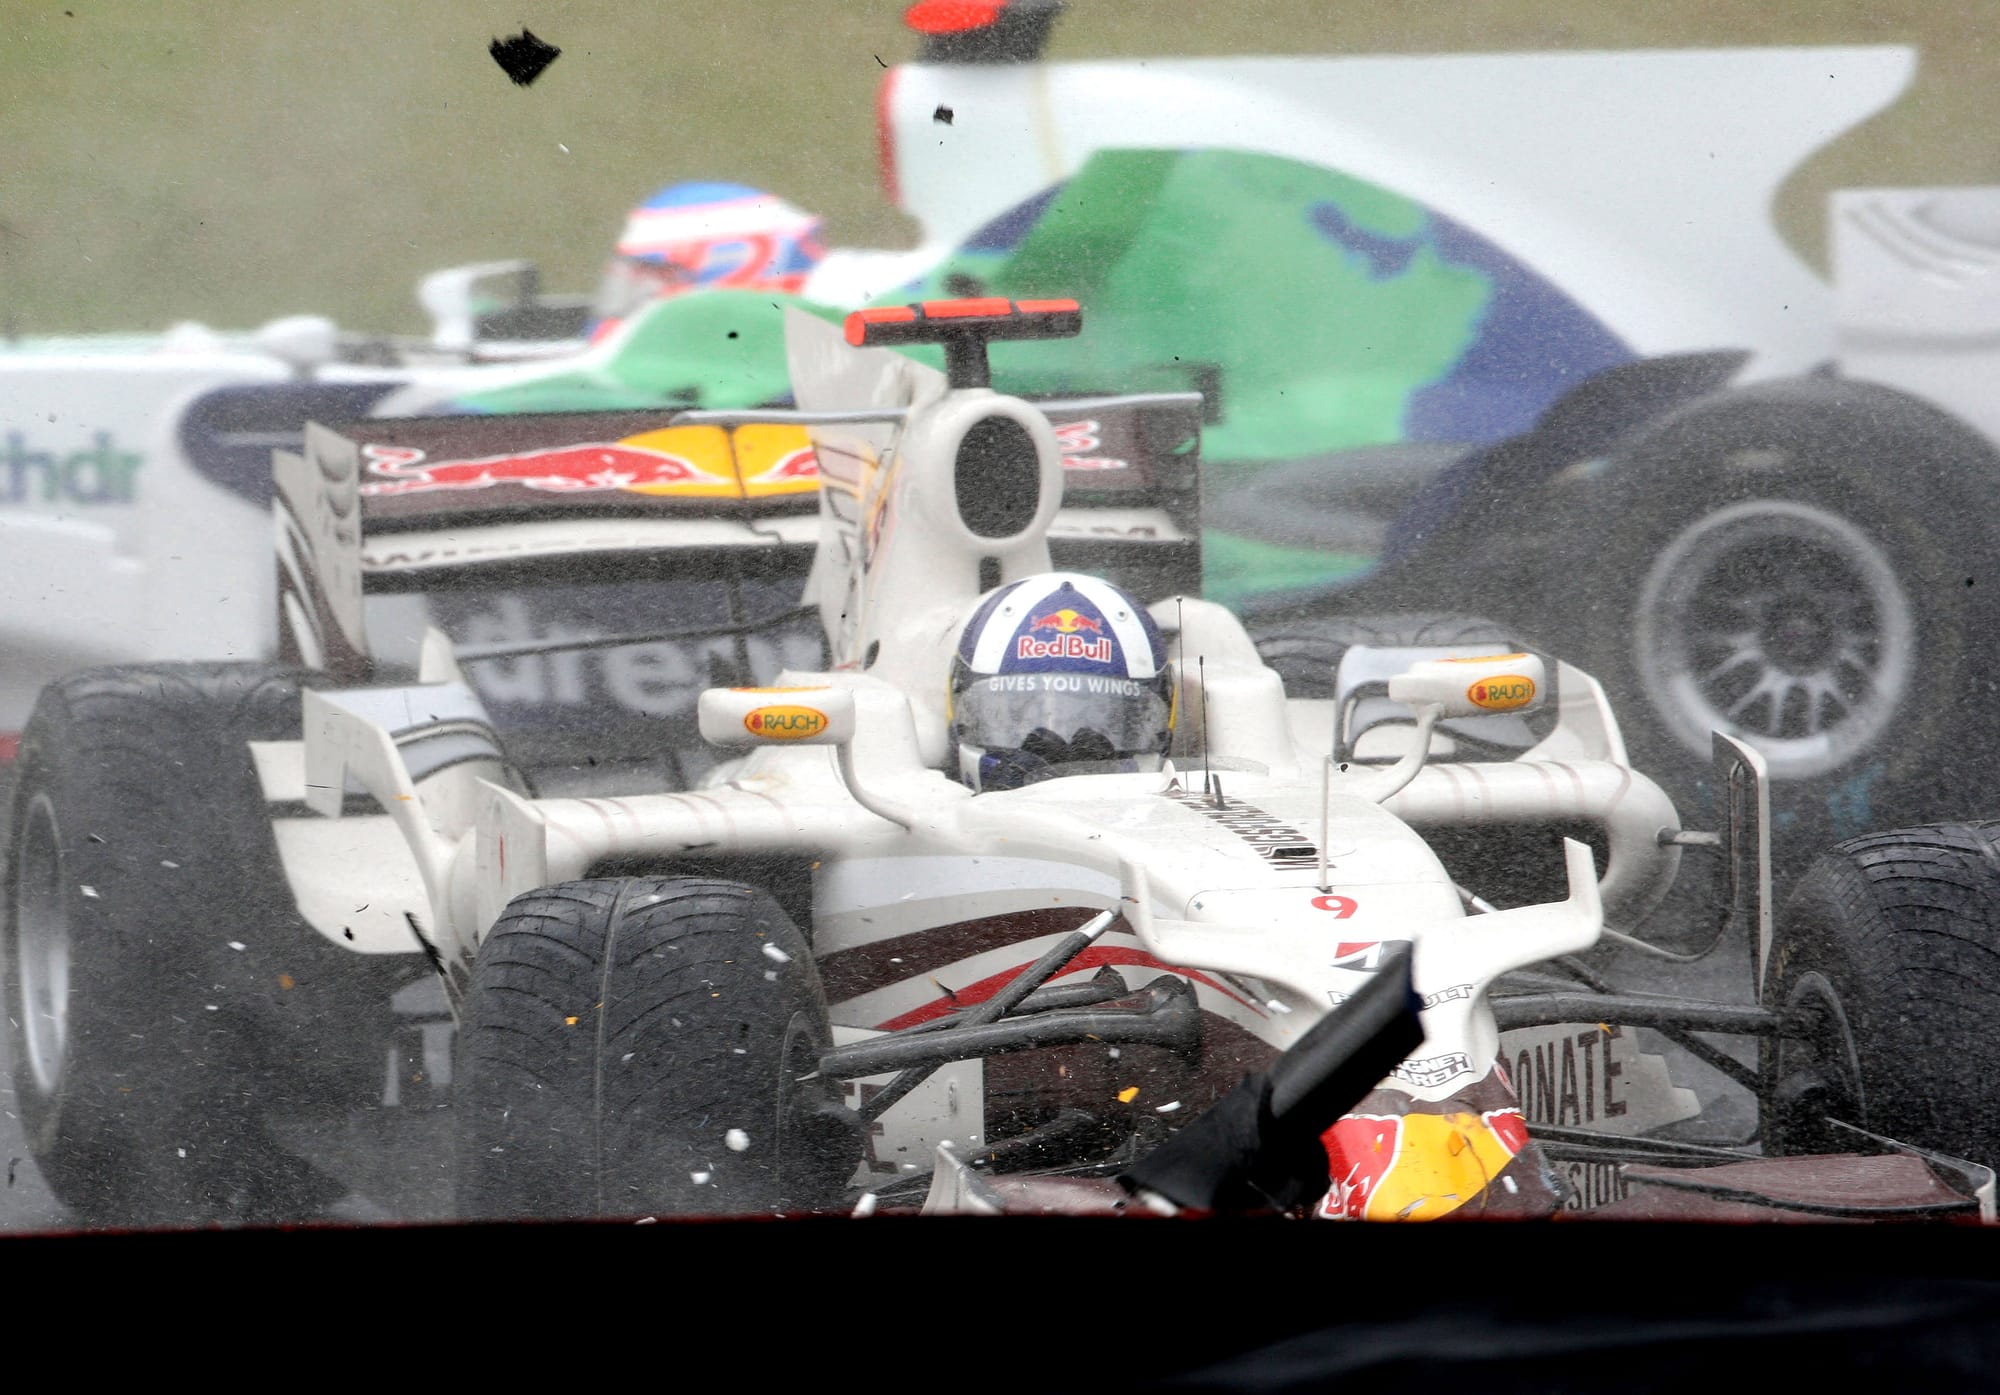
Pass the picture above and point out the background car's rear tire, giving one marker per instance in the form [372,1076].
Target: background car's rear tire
[1889,949]
[164,997]
[635,1046]
[1810,580]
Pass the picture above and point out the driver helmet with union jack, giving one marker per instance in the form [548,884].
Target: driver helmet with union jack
[702,234]
[1059,674]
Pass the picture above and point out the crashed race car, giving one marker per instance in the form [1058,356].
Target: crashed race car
[875,926]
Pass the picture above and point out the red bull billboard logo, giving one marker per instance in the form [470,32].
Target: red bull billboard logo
[563,470]
[1063,634]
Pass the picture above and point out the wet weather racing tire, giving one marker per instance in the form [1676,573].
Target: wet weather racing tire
[1888,956]
[637,1046]
[164,999]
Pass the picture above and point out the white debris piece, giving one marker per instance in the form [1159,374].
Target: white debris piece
[1169,1107]
[773,952]
[166,862]
[865,1206]
[700,1179]
[238,946]
[90,892]
[737,1140]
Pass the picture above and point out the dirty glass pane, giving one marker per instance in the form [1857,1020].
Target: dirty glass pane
[997,608]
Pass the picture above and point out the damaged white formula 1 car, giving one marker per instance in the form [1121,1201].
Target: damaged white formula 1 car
[924,943]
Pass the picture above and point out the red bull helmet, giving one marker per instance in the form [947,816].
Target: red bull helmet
[1059,674]
[703,235]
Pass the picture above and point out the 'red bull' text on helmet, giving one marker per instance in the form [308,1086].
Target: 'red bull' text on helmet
[1059,674]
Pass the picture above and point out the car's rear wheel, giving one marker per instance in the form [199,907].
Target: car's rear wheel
[1808,580]
[643,1045]
[164,999]
[1782,621]
[1887,955]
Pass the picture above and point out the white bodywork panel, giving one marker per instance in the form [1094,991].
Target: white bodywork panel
[1640,182]
[1917,276]
[353,878]
[113,548]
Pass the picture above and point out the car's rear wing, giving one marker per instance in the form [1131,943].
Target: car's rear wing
[415,504]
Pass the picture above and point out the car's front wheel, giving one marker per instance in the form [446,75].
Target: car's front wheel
[1887,960]
[647,1045]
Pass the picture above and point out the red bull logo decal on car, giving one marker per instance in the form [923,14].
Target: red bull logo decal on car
[799,465]
[566,470]
[755,460]
[1418,1166]
[1061,635]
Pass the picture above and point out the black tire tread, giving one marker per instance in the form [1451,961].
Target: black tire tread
[1906,925]
[616,1031]
[159,812]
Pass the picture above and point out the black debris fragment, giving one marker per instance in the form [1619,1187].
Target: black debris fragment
[942,115]
[523,57]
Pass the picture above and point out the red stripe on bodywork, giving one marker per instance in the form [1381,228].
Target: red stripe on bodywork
[885,139]
[1095,957]
[848,973]
[10,745]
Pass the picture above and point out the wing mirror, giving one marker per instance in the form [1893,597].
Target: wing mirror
[794,717]
[1472,687]
[776,716]
[1437,689]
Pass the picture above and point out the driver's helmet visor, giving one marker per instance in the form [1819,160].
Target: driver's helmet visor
[1134,716]
[632,282]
